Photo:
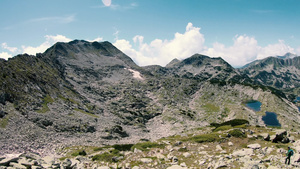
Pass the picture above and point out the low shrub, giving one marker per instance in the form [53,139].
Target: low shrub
[123,147]
[147,145]
[205,138]
[222,128]
[234,122]
[237,133]
[79,153]
[108,156]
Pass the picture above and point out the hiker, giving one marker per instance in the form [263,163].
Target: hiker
[288,155]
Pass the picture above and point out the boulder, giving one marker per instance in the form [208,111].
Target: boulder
[220,164]
[285,140]
[146,160]
[176,167]
[103,167]
[10,158]
[243,152]
[174,160]
[160,156]
[254,146]
[218,148]
[67,163]
[292,139]
[17,165]
[178,143]
[186,154]
[280,135]
[265,136]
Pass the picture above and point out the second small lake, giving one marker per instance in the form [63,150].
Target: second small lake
[270,119]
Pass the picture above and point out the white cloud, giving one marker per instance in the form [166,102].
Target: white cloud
[50,40]
[243,50]
[58,19]
[161,52]
[96,40]
[278,49]
[114,6]
[298,51]
[11,49]
[5,55]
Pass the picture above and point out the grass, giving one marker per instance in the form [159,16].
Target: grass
[68,99]
[79,153]
[237,133]
[45,108]
[211,108]
[84,112]
[147,145]
[3,122]
[212,137]
[222,128]
[110,156]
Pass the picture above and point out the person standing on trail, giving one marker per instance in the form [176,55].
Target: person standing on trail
[288,155]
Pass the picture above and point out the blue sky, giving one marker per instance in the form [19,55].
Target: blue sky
[155,31]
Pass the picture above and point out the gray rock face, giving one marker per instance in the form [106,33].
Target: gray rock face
[281,73]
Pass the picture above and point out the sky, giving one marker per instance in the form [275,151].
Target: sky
[155,31]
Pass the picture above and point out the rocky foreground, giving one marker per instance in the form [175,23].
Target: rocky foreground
[226,146]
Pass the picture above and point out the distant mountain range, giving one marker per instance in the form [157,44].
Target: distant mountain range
[281,72]
[91,93]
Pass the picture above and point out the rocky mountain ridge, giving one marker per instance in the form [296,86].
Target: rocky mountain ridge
[279,72]
[83,93]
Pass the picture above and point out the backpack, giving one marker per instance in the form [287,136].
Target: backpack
[291,152]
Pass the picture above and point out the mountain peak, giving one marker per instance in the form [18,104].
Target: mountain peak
[173,62]
[84,53]
[287,56]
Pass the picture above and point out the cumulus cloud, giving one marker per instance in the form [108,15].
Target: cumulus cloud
[5,55]
[50,40]
[298,51]
[245,49]
[11,49]
[160,51]
[96,40]
[278,49]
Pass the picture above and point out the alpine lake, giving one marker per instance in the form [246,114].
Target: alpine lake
[270,119]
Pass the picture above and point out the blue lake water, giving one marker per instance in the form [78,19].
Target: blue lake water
[270,119]
[254,105]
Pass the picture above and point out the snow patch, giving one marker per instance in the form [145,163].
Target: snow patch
[136,74]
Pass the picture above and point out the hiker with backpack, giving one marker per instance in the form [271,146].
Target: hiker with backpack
[288,155]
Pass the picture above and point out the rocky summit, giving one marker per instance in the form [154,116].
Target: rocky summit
[79,102]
